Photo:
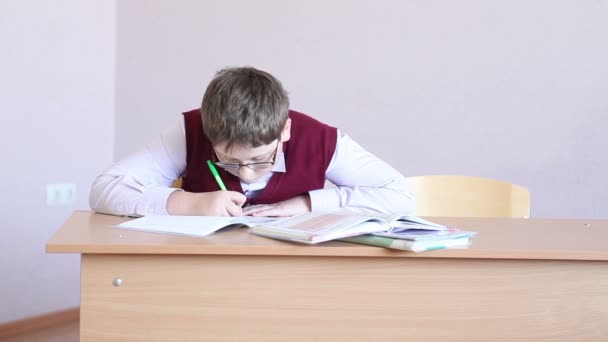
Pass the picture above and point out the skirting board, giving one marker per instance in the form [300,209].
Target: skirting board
[39,322]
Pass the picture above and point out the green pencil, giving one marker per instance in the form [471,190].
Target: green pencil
[216,175]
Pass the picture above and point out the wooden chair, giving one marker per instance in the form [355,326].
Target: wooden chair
[465,196]
[177,183]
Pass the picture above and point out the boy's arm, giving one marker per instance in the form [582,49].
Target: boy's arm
[214,203]
[139,184]
[363,182]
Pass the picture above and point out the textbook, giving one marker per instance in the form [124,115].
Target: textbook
[312,228]
[426,235]
[190,225]
[410,245]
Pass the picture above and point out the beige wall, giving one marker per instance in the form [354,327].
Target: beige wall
[57,119]
[514,90]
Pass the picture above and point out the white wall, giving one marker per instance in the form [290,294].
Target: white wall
[57,119]
[514,90]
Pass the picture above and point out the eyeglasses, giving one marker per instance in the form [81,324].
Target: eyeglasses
[254,166]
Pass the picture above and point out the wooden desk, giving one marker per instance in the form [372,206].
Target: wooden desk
[522,280]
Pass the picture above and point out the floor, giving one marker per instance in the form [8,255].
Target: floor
[67,332]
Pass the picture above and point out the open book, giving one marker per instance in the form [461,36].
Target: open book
[190,225]
[313,228]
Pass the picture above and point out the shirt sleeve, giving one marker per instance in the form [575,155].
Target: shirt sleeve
[363,183]
[139,184]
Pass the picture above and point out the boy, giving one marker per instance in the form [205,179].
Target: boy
[273,161]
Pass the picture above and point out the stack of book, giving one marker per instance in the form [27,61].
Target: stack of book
[409,233]
[416,239]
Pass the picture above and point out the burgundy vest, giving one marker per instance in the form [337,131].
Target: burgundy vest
[307,155]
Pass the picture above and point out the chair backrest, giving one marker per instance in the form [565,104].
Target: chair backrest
[177,183]
[465,196]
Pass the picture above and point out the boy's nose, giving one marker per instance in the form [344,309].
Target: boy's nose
[246,174]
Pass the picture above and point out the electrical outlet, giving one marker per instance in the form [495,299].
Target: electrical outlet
[60,194]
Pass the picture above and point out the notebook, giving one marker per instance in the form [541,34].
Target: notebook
[190,225]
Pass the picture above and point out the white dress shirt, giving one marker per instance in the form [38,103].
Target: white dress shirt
[139,184]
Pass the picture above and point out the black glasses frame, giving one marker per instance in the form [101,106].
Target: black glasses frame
[253,166]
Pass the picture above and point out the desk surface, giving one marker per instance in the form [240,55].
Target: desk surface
[497,238]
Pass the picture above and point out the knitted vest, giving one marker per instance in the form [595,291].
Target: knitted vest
[307,155]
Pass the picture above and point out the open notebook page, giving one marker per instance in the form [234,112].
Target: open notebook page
[189,225]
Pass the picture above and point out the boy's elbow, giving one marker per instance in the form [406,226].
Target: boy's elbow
[96,202]
[99,200]
[103,206]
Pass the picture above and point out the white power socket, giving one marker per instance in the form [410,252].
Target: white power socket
[60,194]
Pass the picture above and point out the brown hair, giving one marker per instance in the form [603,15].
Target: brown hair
[244,106]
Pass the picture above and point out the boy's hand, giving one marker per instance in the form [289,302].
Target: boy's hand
[293,206]
[216,203]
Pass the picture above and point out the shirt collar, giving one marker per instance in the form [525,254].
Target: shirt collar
[261,183]
[280,165]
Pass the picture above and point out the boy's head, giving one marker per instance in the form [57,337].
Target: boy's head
[245,107]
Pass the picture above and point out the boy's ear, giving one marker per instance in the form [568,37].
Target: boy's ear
[286,133]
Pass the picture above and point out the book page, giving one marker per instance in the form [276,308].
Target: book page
[320,223]
[189,225]
[425,234]
[411,222]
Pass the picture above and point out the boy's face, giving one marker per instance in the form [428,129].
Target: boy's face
[251,163]
[246,162]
